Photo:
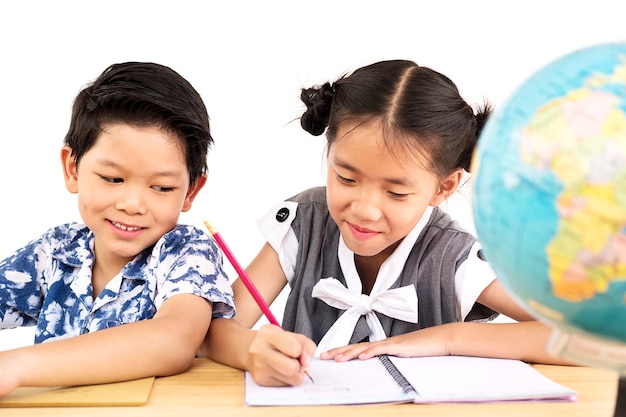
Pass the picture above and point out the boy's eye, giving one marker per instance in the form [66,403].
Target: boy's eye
[163,189]
[112,180]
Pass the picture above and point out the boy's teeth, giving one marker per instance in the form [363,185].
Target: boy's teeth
[121,226]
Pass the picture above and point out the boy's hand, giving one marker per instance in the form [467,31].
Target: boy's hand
[279,358]
[8,375]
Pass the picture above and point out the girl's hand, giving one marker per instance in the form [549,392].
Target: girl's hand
[279,358]
[433,341]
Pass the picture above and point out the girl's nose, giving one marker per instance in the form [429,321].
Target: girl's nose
[366,206]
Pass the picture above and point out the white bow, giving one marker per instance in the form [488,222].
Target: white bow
[398,303]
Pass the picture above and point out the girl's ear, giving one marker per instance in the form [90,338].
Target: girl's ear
[193,192]
[70,170]
[446,187]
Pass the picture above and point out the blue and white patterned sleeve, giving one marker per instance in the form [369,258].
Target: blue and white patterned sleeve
[188,261]
[21,295]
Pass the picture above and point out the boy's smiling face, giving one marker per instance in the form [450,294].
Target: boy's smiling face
[132,186]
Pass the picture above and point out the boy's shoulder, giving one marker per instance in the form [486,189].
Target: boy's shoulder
[183,237]
[183,232]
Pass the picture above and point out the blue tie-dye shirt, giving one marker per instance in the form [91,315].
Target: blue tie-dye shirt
[47,283]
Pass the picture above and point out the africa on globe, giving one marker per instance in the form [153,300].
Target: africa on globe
[549,201]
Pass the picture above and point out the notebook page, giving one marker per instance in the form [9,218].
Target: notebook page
[473,379]
[353,382]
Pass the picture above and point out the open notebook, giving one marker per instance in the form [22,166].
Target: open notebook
[387,379]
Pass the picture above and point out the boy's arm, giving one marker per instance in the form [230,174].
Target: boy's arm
[163,345]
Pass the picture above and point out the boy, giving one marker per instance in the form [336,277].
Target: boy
[130,293]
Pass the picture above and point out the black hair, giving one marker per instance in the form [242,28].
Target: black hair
[143,94]
[422,108]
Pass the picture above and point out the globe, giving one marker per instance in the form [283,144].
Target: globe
[549,201]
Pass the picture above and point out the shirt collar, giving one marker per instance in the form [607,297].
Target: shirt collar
[78,250]
[391,268]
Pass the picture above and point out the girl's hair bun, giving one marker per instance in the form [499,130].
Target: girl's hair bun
[318,101]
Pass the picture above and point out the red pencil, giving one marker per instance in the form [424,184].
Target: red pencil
[246,280]
[243,275]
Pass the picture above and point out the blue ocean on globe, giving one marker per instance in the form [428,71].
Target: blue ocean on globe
[549,196]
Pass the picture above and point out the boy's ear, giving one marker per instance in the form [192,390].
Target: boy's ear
[70,170]
[193,192]
[446,187]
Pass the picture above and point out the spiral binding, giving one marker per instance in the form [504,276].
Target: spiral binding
[396,374]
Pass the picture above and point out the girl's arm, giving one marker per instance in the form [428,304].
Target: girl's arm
[273,356]
[163,345]
[525,340]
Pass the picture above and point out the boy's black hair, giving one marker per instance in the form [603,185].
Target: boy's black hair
[142,94]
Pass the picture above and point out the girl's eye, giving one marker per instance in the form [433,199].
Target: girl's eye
[344,179]
[398,196]
[112,180]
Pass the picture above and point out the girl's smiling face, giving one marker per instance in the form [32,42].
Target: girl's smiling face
[376,195]
[132,186]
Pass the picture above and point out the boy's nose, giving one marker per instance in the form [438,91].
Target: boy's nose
[131,201]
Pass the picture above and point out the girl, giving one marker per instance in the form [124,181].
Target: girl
[374,266]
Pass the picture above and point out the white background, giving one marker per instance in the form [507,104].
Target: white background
[249,60]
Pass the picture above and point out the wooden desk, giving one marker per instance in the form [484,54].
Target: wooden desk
[211,389]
